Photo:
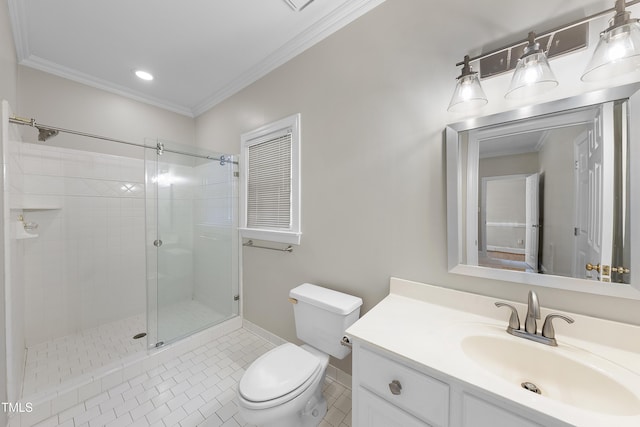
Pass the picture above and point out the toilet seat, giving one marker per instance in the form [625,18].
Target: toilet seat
[278,376]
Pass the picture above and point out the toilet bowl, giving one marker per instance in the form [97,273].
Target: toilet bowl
[283,387]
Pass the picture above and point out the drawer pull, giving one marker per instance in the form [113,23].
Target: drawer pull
[395,387]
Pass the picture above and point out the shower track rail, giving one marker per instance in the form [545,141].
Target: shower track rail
[53,130]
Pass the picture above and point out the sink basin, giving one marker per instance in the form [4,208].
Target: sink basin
[566,374]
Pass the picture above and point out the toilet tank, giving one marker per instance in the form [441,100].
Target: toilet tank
[322,315]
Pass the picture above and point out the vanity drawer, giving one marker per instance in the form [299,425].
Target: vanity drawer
[416,393]
[374,411]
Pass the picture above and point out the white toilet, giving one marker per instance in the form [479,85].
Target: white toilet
[283,387]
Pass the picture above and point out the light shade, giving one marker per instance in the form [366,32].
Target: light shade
[533,75]
[617,53]
[468,94]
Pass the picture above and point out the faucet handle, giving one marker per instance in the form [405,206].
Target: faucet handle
[547,328]
[514,320]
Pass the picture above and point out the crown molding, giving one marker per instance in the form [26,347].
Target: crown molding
[340,17]
[19,26]
[86,79]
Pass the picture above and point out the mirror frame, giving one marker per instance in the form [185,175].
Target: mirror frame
[456,217]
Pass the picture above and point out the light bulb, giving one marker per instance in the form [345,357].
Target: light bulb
[618,47]
[466,90]
[144,75]
[531,74]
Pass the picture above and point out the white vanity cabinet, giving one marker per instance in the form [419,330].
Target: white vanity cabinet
[389,391]
[431,356]
[396,392]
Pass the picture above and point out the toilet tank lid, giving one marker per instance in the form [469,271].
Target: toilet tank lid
[327,299]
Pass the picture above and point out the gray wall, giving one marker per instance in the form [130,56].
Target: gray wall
[373,99]
[63,103]
[514,164]
[7,91]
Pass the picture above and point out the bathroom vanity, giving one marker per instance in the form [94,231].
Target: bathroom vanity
[431,356]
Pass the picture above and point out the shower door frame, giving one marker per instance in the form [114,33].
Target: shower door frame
[154,241]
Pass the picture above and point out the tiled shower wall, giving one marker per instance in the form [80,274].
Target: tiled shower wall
[13,272]
[87,265]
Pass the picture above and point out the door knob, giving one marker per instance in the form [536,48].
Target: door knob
[591,267]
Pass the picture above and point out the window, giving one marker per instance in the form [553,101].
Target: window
[270,187]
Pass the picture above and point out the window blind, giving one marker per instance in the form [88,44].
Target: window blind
[269,184]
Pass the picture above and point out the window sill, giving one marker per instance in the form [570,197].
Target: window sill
[290,237]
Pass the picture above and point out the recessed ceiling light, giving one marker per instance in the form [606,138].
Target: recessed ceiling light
[144,75]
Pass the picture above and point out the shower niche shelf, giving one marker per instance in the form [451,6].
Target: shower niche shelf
[35,207]
[21,233]
[40,208]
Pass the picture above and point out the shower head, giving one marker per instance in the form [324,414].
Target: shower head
[45,133]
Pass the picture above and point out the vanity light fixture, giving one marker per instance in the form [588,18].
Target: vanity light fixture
[468,93]
[533,74]
[617,53]
[618,50]
[143,75]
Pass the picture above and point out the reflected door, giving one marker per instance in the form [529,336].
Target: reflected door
[582,251]
[531,221]
[594,204]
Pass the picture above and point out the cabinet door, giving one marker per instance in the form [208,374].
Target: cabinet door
[376,412]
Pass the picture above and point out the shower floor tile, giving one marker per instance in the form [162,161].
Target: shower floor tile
[53,362]
[183,317]
[197,388]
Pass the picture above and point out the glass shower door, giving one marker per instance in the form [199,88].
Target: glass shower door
[191,245]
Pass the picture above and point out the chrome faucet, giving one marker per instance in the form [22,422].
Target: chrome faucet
[530,332]
[533,313]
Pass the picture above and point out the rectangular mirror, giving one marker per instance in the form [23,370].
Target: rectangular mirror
[544,195]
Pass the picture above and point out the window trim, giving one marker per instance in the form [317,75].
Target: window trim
[257,136]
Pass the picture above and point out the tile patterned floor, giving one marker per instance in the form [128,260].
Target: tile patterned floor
[51,363]
[195,389]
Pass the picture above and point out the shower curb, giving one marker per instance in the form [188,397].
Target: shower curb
[46,404]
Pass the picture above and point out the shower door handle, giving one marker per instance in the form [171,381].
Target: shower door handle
[157,243]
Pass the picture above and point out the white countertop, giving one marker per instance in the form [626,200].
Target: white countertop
[416,320]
